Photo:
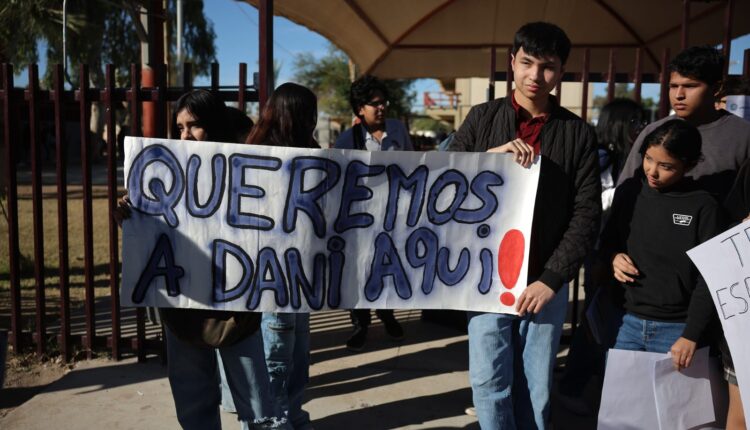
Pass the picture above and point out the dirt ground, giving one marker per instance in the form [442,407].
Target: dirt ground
[26,375]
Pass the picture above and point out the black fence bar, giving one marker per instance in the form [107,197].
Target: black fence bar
[727,44]
[161,103]
[637,75]
[493,61]
[664,85]
[187,76]
[88,233]
[34,101]
[685,24]
[214,77]
[61,149]
[114,272]
[139,343]
[242,88]
[585,84]
[746,65]
[611,73]
[9,116]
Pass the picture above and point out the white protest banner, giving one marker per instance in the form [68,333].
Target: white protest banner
[724,262]
[241,227]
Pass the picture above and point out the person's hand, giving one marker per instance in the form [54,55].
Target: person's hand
[534,297]
[524,153]
[682,353]
[122,211]
[624,268]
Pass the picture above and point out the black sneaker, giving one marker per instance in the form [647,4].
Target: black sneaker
[393,328]
[357,341]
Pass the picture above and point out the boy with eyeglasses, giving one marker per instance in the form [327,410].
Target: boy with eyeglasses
[368,97]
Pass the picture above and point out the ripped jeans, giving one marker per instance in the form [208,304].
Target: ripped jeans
[286,341]
[194,379]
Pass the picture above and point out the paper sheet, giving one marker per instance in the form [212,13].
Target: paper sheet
[683,398]
[628,393]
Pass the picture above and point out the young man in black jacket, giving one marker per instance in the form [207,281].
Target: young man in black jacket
[511,357]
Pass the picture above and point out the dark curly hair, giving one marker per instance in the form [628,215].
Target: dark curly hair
[704,63]
[681,139]
[542,39]
[363,90]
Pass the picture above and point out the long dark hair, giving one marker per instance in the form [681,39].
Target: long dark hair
[288,118]
[208,110]
[619,122]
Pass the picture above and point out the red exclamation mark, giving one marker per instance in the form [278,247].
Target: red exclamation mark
[509,262]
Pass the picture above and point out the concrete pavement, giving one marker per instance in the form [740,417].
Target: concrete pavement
[419,383]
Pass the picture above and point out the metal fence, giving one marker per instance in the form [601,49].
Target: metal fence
[22,111]
[29,103]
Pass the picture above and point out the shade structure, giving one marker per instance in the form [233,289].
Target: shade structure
[453,38]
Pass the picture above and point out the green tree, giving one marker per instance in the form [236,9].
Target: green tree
[99,32]
[328,77]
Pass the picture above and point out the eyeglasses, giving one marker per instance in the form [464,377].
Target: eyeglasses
[378,103]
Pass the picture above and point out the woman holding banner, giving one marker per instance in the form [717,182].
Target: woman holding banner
[288,119]
[194,336]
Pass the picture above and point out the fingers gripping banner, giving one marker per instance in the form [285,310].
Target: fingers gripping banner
[245,227]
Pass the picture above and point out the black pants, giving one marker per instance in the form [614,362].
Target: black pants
[362,317]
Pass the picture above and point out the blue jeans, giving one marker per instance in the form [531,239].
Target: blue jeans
[194,378]
[286,340]
[510,365]
[638,334]
[226,394]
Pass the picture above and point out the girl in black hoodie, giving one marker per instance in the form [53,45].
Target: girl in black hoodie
[656,217]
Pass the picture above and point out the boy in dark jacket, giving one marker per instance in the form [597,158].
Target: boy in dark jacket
[510,357]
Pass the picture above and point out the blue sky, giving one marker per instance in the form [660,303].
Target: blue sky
[236,27]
